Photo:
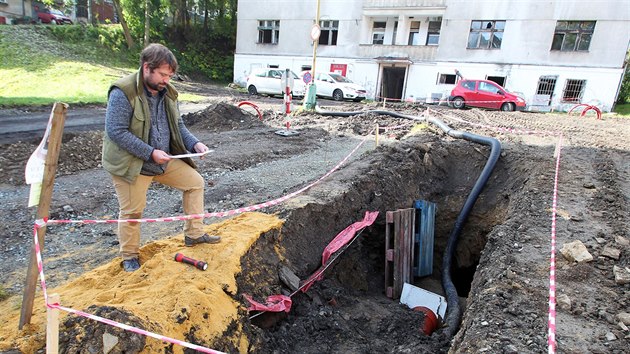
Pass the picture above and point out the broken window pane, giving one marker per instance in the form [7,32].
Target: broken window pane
[378,32]
[486,34]
[268,31]
[573,35]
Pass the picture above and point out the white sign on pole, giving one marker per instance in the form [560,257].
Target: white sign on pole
[315,32]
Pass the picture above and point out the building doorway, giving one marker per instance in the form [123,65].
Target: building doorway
[545,89]
[393,82]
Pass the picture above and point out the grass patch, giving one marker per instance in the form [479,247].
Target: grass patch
[3,293]
[623,109]
[74,64]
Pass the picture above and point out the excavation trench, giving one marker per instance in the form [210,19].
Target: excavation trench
[348,310]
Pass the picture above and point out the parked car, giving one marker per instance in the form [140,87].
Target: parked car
[484,94]
[338,87]
[269,81]
[53,16]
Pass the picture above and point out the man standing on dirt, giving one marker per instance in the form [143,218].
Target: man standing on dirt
[143,129]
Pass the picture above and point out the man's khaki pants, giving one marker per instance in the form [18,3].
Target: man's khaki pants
[132,198]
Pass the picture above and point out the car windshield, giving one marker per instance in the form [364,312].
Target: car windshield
[56,12]
[340,78]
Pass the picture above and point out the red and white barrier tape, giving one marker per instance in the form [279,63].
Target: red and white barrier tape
[44,222]
[551,336]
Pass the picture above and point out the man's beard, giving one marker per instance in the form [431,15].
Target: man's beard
[156,87]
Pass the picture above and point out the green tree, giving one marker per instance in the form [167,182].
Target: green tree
[624,90]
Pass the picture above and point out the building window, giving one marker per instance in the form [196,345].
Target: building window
[329,32]
[571,36]
[573,90]
[546,85]
[414,33]
[433,35]
[447,79]
[268,31]
[378,32]
[486,34]
[500,80]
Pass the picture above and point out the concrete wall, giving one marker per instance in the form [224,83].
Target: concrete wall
[529,31]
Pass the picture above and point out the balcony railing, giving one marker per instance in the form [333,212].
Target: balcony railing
[415,53]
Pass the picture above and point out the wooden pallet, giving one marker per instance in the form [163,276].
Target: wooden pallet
[399,250]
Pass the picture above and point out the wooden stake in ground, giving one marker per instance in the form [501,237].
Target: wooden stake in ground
[50,169]
[52,326]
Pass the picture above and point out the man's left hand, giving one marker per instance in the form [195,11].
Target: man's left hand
[200,148]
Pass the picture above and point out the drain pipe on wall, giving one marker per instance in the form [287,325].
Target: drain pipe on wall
[453,312]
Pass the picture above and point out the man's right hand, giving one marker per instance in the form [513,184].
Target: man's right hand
[160,156]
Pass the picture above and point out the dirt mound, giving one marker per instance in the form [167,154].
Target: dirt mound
[79,151]
[221,117]
[92,333]
[171,298]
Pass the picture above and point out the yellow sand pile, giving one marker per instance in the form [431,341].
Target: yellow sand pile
[159,290]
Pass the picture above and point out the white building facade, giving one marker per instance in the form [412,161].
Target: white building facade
[556,54]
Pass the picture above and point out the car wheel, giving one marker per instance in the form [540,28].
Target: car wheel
[252,90]
[507,107]
[337,95]
[458,102]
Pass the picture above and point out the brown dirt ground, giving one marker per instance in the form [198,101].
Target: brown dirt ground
[502,261]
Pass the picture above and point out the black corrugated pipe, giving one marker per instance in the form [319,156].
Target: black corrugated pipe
[453,311]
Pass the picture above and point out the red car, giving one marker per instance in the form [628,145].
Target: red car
[54,17]
[484,94]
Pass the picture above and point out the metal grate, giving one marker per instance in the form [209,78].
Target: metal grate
[573,90]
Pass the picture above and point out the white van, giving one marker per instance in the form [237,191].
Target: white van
[269,81]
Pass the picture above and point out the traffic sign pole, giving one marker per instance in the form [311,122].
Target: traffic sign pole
[311,98]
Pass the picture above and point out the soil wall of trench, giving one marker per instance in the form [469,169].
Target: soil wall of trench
[348,309]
